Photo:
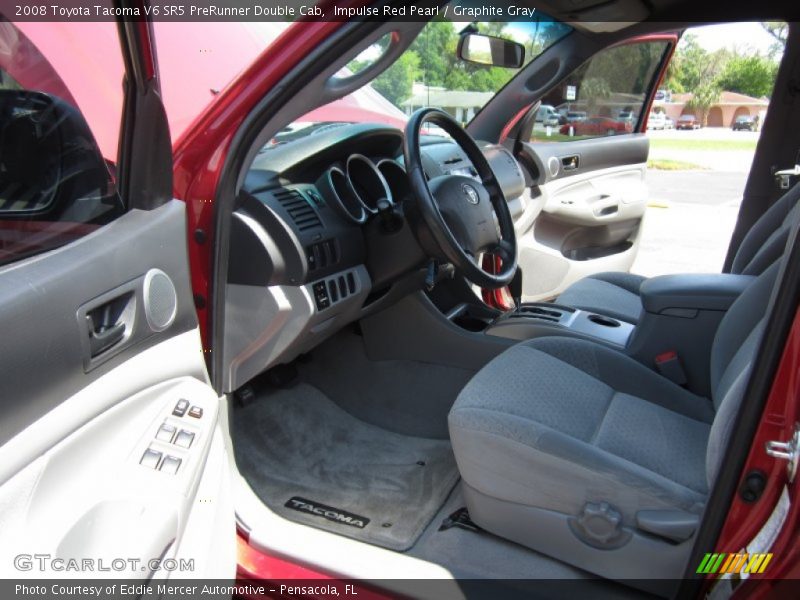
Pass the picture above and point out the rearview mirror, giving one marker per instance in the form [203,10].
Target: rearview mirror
[491,51]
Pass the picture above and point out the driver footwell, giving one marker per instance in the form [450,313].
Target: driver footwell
[313,463]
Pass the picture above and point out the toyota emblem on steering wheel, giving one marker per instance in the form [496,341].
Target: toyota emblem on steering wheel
[470,193]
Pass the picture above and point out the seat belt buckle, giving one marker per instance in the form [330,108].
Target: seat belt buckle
[669,365]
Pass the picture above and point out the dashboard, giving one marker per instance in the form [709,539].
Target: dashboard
[324,233]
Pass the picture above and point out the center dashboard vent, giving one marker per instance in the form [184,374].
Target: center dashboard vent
[302,213]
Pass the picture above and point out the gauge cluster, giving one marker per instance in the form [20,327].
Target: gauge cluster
[363,187]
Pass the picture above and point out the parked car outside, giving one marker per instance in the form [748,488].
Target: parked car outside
[688,122]
[576,116]
[554,120]
[627,115]
[744,123]
[546,113]
[657,121]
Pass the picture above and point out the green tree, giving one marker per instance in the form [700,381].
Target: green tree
[592,91]
[705,96]
[779,30]
[396,82]
[627,69]
[673,78]
[435,46]
[751,75]
[693,66]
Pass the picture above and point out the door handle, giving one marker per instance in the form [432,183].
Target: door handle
[107,323]
[102,339]
[605,206]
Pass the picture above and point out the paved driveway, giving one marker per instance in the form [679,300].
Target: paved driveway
[692,214]
[689,221]
[708,188]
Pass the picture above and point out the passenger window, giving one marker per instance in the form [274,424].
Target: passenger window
[603,97]
[55,184]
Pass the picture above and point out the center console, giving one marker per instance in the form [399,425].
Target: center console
[681,316]
[679,320]
[543,319]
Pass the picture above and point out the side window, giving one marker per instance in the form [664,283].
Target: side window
[604,96]
[55,184]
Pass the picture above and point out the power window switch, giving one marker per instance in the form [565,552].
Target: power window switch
[184,438]
[170,464]
[150,458]
[180,408]
[196,412]
[165,432]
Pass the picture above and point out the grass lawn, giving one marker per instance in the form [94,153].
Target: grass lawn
[712,145]
[664,164]
[540,136]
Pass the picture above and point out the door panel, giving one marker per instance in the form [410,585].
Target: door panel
[76,430]
[593,197]
[110,448]
[43,300]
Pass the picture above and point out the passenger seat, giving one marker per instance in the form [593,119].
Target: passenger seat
[618,295]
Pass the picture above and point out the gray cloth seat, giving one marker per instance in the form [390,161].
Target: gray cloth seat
[618,294]
[580,452]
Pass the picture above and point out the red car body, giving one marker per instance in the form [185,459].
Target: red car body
[597,126]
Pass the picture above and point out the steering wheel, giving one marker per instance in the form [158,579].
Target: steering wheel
[460,211]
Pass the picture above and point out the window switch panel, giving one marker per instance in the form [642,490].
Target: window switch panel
[184,438]
[165,432]
[150,458]
[170,464]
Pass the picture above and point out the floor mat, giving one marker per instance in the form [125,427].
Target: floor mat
[312,462]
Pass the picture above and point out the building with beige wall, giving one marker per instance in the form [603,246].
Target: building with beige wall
[722,114]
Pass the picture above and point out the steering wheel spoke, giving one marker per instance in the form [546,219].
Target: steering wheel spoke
[505,250]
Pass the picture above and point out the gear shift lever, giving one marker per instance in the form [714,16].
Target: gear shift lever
[515,287]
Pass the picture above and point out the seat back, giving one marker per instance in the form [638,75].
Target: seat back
[766,239]
[739,334]
[732,355]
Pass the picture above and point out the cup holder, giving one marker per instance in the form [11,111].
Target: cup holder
[604,321]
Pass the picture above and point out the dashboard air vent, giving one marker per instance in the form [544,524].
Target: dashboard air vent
[301,212]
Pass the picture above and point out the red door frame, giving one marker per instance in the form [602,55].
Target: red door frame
[781,413]
[199,155]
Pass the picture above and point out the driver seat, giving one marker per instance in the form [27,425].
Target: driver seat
[618,295]
[582,453]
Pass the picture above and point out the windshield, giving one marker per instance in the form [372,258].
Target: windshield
[428,74]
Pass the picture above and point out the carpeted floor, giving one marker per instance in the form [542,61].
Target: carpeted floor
[404,396]
[298,444]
